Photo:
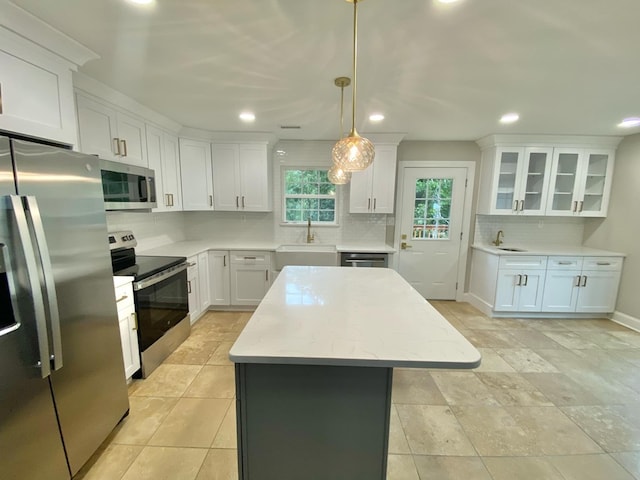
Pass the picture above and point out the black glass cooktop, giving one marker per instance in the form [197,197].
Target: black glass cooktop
[147,266]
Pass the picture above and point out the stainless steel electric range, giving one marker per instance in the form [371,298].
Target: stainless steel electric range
[160,296]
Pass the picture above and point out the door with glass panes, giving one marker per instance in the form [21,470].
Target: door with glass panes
[431,226]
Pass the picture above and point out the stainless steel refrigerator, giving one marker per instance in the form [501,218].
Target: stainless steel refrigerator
[62,384]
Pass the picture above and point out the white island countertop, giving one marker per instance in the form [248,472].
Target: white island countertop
[350,317]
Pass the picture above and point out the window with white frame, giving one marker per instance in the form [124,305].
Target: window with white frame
[308,194]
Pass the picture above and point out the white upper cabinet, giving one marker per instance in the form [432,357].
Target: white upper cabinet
[241,177]
[580,182]
[373,190]
[110,134]
[196,175]
[36,91]
[544,177]
[162,150]
[519,180]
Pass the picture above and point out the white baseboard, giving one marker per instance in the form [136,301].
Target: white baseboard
[626,320]
[480,304]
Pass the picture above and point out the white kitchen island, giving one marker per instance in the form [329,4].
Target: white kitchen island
[314,369]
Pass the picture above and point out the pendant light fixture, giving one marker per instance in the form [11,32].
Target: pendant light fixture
[336,175]
[353,153]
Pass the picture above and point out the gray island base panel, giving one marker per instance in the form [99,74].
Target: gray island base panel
[314,370]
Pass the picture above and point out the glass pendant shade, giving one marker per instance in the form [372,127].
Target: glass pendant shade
[353,153]
[337,176]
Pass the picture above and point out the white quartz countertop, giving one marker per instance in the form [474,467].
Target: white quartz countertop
[190,248]
[550,250]
[350,317]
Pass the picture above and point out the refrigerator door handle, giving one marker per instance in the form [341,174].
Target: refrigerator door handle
[50,286]
[5,267]
[34,284]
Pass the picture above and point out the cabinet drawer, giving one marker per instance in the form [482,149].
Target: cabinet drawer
[250,258]
[124,296]
[518,261]
[564,263]
[602,263]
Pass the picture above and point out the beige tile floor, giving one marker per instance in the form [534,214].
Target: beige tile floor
[553,399]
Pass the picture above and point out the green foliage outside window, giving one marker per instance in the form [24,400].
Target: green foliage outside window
[309,194]
[432,210]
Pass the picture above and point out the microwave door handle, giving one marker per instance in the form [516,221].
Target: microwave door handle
[5,267]
[34,284]
[142,188]
[49,283]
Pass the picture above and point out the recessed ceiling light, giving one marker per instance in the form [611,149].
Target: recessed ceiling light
[509,118]
[447,1]
[376,117]
[247,117]
[142,2]
[630,122]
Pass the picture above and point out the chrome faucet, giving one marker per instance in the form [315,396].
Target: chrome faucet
[310,236]
[497,242]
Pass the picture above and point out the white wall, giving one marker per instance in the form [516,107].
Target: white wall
[151,229]
[529,230]
[620,231]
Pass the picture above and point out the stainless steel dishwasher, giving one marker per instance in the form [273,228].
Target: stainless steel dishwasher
[350,259]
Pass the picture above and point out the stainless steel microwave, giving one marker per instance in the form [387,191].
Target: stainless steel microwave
[127,187]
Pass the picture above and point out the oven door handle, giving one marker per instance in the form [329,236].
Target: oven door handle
[159,277]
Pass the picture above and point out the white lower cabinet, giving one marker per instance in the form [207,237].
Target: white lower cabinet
[219,280]
[128,327]
[582,284]
[250,277]
[519,290]
[203,282]
[193,289]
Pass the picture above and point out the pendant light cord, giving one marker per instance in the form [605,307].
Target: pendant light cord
[341,111]
[355,56]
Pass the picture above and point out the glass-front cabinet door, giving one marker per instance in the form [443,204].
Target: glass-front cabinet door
[507,180]
[595,183]
[564,186]
[532,199]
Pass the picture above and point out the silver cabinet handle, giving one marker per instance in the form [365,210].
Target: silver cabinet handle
[6,268]
[522,205]
[578,278]
[117,143]
[49,283]
[584,281]
[603,263]
[581,205]
[369,204]
[237,202]
[575,206]
[375,200]
[188,286]
[564,263]
[211,200]
[266,275]
[34,284]
[167,200]
[526,280]
[124,297]
[243,201]
[135,321]
[172,204]
[124,147]
[249,258]
[519,281]
[515,206]
[224,260]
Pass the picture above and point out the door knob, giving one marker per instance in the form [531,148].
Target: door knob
[404,246]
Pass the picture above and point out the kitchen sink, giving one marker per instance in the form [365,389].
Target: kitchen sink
[306,254]
[510,249]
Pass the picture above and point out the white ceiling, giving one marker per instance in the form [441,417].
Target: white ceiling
[438,72]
